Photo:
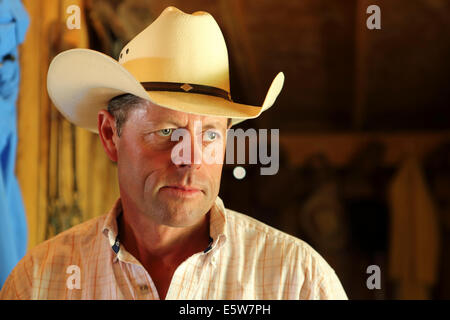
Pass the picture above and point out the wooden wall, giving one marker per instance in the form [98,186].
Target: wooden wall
[38,135]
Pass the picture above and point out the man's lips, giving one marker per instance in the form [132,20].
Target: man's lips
[182,189]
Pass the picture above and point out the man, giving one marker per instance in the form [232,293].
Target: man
[169,235]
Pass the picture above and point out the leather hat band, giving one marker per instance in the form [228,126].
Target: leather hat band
[187,87]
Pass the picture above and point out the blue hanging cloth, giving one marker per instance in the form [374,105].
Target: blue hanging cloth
[14,22]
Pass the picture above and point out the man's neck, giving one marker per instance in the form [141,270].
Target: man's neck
[152,244]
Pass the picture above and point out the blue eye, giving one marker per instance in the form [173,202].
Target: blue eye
[165,132]
[211,135]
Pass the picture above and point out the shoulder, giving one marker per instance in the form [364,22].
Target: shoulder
[50,259]
[81,235]
[301,263]
[253,229]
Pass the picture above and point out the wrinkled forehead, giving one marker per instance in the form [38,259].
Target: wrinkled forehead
[152,114]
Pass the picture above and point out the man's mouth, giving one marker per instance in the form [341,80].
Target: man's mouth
[182,190]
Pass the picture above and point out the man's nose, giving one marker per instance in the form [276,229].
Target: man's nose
[192,143]
[196,153]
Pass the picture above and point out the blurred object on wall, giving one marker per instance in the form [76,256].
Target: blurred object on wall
[14,22]
[322,217]
[112,24]
[64,174]
[363,188]
[437,164]
[62,213]
[414,233]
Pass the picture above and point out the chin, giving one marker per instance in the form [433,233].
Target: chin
[179,214]
[184,219]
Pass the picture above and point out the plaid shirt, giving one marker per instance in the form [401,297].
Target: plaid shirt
[245,260]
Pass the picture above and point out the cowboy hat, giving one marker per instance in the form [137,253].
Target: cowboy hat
[180,62]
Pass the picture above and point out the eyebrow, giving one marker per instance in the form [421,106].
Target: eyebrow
[154,123]
[210,125]
[214,125]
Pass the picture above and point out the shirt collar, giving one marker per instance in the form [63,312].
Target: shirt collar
[110,228]
[217,226]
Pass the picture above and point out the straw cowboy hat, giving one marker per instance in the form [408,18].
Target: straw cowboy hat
[179,62]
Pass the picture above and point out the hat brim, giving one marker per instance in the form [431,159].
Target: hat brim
[81,82]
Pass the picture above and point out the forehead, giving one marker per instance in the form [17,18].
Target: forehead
[152,114]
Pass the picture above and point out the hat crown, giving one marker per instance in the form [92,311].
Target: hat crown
[179,47]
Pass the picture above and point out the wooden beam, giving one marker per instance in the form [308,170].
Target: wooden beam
[340,147]
[361,61]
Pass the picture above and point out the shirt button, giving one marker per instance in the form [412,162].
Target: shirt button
[143,288]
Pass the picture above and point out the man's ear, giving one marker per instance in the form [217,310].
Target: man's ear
[108,133]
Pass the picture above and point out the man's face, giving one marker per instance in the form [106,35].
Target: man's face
[171,194]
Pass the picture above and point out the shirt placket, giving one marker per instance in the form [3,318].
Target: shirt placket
[145,288]
[186,280]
